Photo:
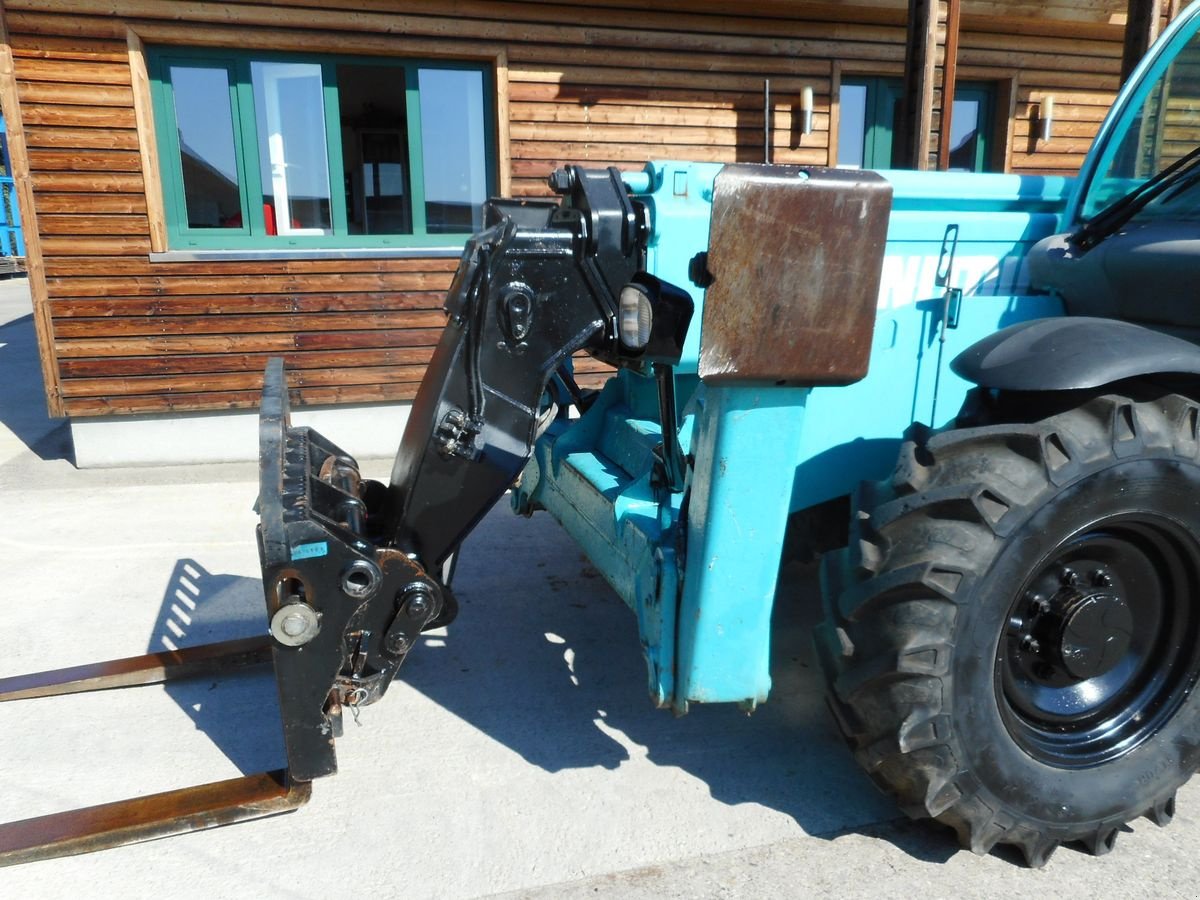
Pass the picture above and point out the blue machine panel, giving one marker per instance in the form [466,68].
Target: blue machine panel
[700,568]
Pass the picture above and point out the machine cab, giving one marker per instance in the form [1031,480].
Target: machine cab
[1132,235]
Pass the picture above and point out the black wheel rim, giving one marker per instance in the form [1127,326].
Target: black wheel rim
[1100,645]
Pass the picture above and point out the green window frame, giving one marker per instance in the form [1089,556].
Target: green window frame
[253,231]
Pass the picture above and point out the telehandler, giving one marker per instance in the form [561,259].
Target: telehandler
[976,397]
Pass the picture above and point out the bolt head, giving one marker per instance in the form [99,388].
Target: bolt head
[561,181]
[397,643]
[295,624]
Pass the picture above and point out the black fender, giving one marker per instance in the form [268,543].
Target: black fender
[1072,353]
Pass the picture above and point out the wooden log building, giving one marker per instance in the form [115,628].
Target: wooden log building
[208,184]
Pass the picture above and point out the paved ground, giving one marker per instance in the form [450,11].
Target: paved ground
[517,756]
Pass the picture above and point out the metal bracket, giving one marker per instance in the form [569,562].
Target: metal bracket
[952,298]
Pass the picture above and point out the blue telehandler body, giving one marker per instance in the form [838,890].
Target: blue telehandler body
[974,398]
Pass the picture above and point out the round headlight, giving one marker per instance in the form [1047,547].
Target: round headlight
[636,317]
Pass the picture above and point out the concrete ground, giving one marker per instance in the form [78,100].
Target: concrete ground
[516,755]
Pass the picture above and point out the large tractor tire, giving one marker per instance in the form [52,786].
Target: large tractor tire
[1012,636]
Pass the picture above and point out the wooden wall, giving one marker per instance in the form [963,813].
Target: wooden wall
[1082,74]
[610,82]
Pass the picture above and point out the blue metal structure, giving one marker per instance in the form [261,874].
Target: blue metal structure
[12,243]
[704,616]
[702,580]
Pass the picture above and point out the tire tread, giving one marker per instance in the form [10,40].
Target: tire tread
[918,542]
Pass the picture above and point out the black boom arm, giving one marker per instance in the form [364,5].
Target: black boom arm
[539,283]
[349,566]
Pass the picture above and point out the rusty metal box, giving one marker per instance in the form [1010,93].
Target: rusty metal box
[795,254]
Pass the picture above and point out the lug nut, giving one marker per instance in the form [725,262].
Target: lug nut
[1100,578]
[1038,604]
[1069,576]
[1029,644]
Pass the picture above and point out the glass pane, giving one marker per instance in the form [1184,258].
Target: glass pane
[375,149]
[964,136]
[852,126]
[289,110]
[1160,132]
[453,150]
[204,116]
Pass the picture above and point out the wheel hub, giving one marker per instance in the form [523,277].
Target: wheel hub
[1095,634]
[1093,661]
[1076,627]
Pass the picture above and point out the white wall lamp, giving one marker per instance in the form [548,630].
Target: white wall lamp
[1045,123]
[806,110]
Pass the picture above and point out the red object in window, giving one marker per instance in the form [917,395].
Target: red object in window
[269,218]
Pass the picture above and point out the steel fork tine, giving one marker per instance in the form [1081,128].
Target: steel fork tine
[148,818]
[153,668]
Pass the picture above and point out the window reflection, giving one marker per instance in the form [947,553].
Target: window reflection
[453,150]
[204,119]
[852,125]
[964,136]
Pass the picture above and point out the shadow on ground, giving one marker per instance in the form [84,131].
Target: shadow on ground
[238,710]
[22,395]
[544,659]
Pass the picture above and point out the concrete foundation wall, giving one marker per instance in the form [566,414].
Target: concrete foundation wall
[365,432]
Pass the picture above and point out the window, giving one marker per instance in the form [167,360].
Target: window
[869,108]
[262,150]
[867,118]
[1159,125]
[970,128]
